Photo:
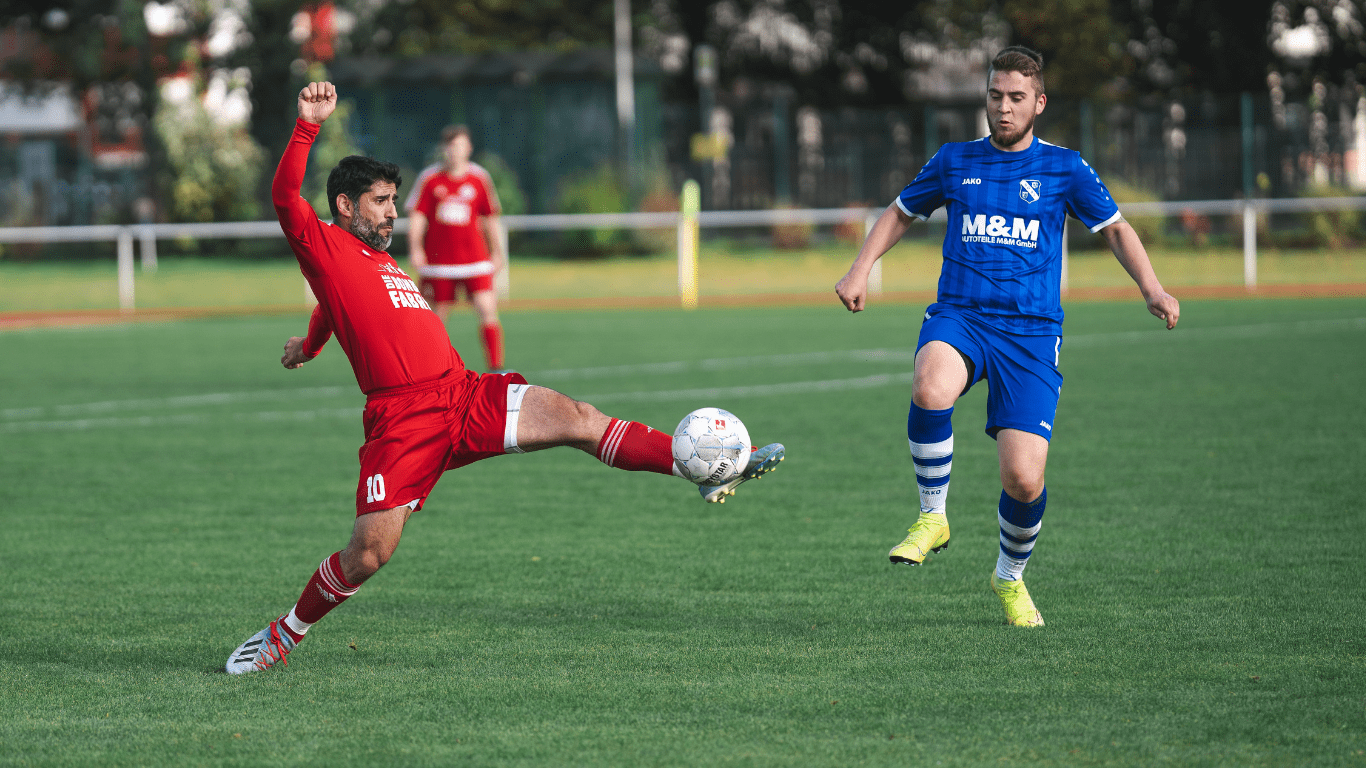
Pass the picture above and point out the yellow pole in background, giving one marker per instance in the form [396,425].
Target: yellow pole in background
[689,207]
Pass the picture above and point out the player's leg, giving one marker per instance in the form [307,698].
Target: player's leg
[338,577]
[944,369]
[485,302]
[406,445]
[440,294]
[547,419]
[1021,407]
[1020,515]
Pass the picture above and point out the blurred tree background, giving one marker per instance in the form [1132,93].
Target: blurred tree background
[243,60]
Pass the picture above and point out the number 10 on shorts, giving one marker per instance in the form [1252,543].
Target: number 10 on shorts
[374,489]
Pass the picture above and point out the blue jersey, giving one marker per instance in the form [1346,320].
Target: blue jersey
[1003,248]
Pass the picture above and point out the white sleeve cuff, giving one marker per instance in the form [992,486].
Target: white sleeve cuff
[1107,222]
[910,213]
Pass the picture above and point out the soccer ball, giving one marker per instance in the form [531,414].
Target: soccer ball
[711,446]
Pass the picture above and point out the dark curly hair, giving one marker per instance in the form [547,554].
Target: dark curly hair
[354,176]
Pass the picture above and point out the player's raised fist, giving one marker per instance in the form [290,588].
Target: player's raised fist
[316,102]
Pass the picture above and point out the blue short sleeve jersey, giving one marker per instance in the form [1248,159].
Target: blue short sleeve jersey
[1003,248]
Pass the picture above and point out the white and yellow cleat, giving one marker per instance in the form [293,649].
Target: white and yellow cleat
[761,462]
[1020,610]
[929,534]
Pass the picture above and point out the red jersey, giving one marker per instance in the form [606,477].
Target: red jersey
[452,206]
[389,333]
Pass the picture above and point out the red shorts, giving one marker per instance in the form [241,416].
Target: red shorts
[414,433]
[437,289]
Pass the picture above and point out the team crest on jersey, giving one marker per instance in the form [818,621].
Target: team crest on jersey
[466,191]
[1029,190]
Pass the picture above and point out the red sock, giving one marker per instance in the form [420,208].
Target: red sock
[325,591]
[493,345]
[634,447]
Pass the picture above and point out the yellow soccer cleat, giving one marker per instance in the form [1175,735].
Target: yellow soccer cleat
[929,534]
[1020,610]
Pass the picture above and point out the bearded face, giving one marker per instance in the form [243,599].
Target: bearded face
[373,215]
[369,231]
[1013,102]
[1011,133]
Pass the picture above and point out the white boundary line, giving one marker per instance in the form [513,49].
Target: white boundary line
[29,419]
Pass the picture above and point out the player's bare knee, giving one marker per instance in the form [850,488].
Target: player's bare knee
[932,394]
[1022,485]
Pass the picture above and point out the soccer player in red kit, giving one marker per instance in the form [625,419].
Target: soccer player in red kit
[425,412]
[453,237]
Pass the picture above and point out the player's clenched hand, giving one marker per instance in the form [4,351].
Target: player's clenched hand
[852,290]
[294,353]
[316,102]
[1165,306]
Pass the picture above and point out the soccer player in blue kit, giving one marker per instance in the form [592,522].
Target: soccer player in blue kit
[998,316]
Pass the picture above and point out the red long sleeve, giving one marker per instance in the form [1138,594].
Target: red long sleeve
[319,331]
[295,213]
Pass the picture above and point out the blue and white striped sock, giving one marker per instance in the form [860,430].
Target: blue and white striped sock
[1020,523]
[931,436]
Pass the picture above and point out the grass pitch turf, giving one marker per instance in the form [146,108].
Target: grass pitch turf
[169,488]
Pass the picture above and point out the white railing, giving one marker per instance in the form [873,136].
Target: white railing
[147,234]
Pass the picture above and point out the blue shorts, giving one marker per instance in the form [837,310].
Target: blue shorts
[1023,381]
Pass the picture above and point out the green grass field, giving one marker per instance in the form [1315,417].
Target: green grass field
[168,488]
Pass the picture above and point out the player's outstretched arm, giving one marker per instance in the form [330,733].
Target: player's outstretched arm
[853,287]
[1128,249]
[316,102]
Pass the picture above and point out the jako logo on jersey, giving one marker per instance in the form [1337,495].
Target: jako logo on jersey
[1029,190]
[980,229]
[971,181]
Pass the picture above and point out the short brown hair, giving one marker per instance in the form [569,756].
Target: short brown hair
[451,131]
[1018,58]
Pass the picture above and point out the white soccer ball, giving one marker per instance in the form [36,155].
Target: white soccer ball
[711,446]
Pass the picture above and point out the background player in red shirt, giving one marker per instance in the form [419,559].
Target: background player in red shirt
[424,412]
[453,237]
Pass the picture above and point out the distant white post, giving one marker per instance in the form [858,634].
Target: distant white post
[503,281]
[125,251]
[875,276]
[1249,246]
[147,245]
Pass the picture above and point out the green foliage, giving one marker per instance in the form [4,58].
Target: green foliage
[1333,229]
[595,191]
[1076,37]
[505,183]
[416,27]
[1151,229]
[215,170]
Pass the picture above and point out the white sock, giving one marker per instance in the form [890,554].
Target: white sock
[296,624]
